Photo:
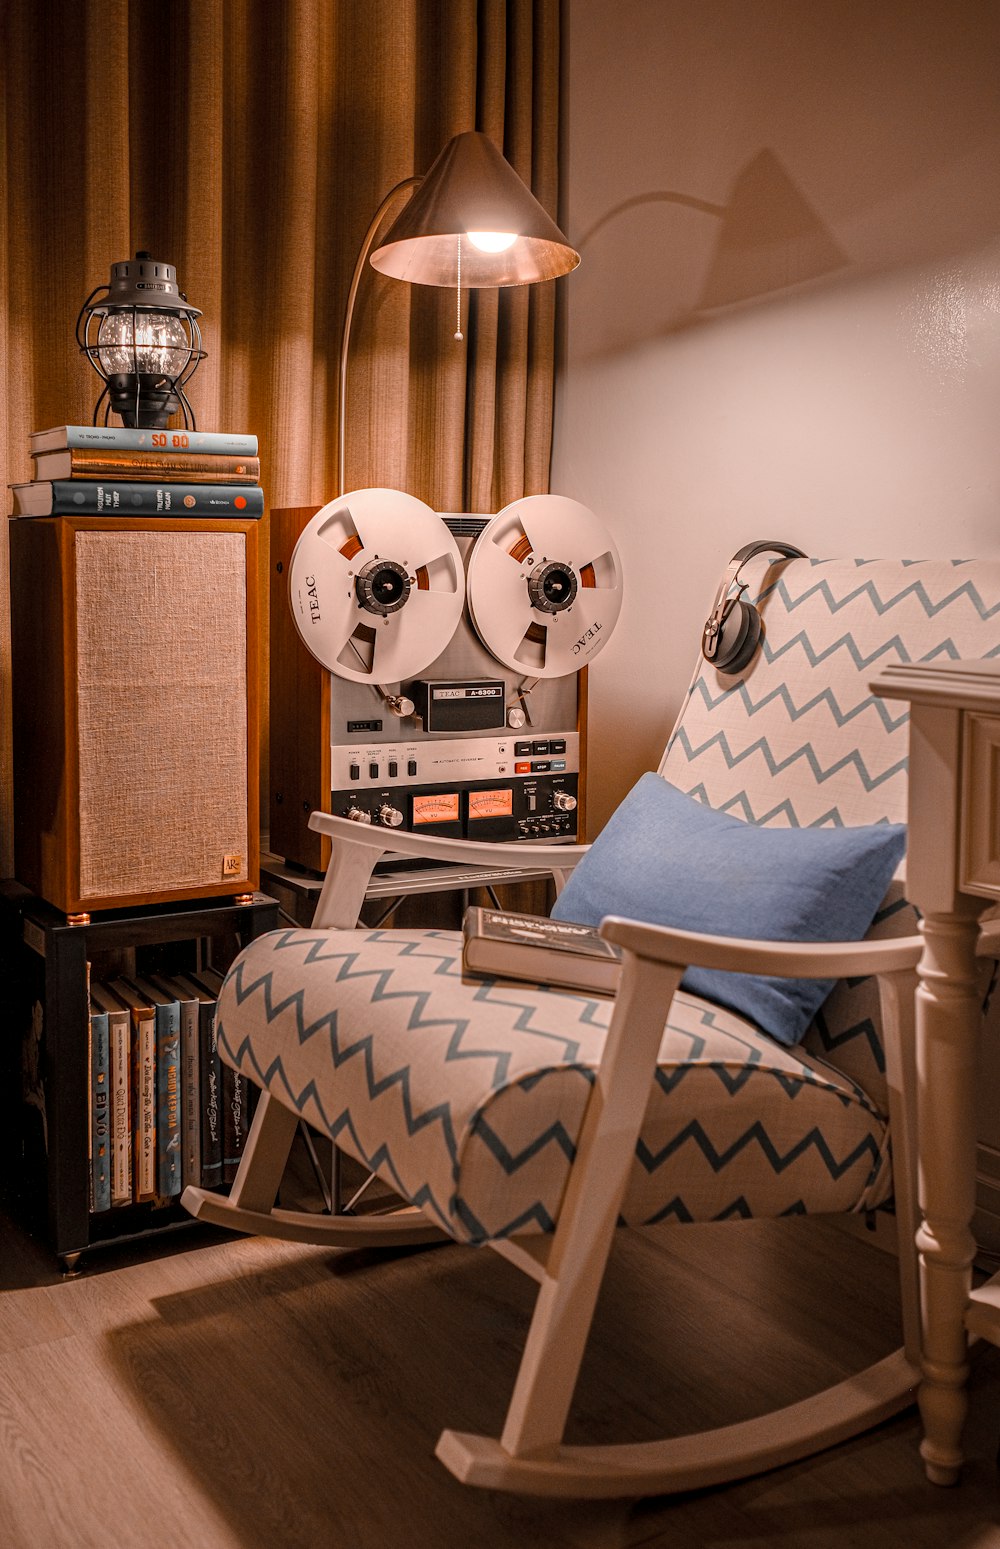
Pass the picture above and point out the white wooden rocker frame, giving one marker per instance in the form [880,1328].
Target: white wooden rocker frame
[530,1456]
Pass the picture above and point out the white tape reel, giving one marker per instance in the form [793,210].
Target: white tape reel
[545,586]
[376,586]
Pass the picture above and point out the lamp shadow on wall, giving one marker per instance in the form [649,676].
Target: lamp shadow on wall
[768,238]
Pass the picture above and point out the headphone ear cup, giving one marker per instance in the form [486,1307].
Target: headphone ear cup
[740,636]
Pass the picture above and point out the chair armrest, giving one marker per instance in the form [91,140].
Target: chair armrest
[466,852]
[789,959]
[357,847]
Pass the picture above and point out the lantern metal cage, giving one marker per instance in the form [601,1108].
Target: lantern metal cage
[143,339]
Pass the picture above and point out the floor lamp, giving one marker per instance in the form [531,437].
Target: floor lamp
[472,223]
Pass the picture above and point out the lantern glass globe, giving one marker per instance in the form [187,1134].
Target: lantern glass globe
[154,343]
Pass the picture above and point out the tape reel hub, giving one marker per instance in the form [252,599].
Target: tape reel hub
[552,587]
[382,586]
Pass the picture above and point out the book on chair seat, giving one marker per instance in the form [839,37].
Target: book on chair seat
[500,943]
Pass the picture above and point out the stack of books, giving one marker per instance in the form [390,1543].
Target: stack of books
[164,1110]
[110,470]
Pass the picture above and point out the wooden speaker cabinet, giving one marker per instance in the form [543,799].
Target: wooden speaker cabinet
[135,700]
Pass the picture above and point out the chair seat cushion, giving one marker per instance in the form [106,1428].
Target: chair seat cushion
[468,1095]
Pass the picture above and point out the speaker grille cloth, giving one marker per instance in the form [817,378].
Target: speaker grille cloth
[161,653]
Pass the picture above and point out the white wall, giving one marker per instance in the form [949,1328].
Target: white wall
[787,319]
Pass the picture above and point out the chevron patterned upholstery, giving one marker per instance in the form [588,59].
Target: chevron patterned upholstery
[799,739]
[468,1096]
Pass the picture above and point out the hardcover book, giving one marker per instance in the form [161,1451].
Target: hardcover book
[101,497]
[167,1014]
[143,1022]
[209,1082]
[92,462]
[235,1096]
[119,1049]
[190,1074]
[501,944]
[113,436]
[100,1109]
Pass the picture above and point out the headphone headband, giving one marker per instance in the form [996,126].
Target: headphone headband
[723,606]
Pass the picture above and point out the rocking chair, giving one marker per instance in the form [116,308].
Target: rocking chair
[536,1122]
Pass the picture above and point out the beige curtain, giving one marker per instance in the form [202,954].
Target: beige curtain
[249,142]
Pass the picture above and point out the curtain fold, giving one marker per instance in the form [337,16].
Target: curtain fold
[249,142]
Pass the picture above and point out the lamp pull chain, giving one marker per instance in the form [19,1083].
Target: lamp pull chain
[458,293]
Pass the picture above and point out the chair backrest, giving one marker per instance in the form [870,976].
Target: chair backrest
[798,738]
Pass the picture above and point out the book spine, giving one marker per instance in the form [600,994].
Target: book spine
[100,1112]
[168,1092]
[164,440]
[235,1121]
[211,1098]
[144,1047]
[121,1133]
[95,497]
[162,467]
[190,1094]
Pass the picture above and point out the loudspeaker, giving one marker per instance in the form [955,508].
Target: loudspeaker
[135,709]
[733,628]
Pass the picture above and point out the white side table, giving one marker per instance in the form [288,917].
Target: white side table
[953,872]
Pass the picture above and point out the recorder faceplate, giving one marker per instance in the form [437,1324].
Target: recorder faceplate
[461,781]
[450,698]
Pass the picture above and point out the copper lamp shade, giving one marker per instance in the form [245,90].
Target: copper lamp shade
[472,188]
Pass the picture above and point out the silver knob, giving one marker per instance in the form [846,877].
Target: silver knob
[562,801]
[515,718]
[399,704]
[390,817]
[359,815]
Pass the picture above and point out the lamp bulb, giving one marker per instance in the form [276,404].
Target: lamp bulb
[150,342]
[492,241]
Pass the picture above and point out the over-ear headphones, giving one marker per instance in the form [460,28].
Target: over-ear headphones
[733,628]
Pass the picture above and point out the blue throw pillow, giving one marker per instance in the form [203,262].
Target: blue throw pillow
[667,859]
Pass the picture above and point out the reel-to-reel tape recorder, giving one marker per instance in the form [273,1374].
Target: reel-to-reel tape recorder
[443,678]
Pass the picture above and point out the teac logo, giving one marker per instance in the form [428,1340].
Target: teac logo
[311,593]
[588,634]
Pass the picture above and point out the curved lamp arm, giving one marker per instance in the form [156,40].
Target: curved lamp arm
[345,339]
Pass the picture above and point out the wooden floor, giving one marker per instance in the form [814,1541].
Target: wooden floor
[214,1393]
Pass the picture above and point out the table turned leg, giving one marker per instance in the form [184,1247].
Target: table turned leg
[948,1020]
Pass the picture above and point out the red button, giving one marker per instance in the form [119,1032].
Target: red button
[522,768]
